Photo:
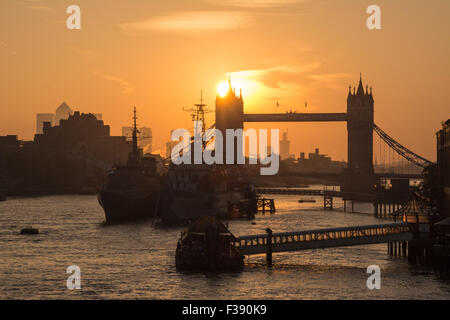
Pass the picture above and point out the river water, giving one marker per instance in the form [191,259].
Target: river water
[136,261]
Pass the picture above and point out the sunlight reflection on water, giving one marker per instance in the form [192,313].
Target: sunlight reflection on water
[136,261]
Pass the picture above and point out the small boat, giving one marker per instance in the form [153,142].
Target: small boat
[208,246]
[306,201]
[29,230]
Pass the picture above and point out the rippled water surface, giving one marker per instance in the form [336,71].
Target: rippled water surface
[136,261]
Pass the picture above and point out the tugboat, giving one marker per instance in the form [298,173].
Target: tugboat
[29,230]
[208,246]
[132,192]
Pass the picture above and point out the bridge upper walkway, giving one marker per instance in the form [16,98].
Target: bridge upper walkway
[323,238]
[316,192]
[293,117]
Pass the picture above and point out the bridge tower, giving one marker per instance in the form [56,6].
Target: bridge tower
[359,174]
[229,115]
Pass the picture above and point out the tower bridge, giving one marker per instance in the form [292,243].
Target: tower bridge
[359,176]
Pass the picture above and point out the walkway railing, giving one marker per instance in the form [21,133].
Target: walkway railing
[323,238]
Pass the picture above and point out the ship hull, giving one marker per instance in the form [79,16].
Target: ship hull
[200,262]
[126,206]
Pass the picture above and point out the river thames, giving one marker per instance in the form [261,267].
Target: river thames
[136,261]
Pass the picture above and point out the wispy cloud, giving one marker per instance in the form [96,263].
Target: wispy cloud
[194,21]
[82,52]
[4,45]
[274,77]
[330,79]
[256,3]
[127,87]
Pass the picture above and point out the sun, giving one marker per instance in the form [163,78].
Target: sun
[222,88]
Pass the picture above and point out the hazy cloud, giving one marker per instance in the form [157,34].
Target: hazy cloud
[128,87]
[273,77]
[4,45]
[256,3]
[331,80]
[82,52]
[41,8]
[194,21]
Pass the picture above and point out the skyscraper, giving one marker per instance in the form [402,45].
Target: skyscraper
[284,147]
[62,113]
[41,118]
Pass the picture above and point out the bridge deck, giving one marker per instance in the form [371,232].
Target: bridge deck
[293,117]
[324,238]
[317,192]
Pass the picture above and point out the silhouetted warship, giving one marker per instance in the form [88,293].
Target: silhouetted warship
[207,246]
[197,190]
[132,192]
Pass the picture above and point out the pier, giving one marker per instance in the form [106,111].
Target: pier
[385,204]
[322,238]
[266,205]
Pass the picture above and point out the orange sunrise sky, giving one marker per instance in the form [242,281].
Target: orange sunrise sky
[158,55]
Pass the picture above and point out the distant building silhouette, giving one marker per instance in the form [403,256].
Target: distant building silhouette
[71,157]
[316,163]
[62,112]
[145,139]
[284,148]
[169,146]
[41,118]
[443,164]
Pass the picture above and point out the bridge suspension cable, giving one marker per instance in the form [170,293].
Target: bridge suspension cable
[401,150]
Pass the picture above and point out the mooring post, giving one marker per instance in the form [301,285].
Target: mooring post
[269,247]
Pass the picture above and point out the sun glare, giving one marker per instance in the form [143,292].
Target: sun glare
[222,88]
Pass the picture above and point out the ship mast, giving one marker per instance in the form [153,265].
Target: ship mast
[135,132]
[133,158]
[198,114]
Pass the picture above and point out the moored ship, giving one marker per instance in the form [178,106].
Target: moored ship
[132,192]
[207,245]
[193,191]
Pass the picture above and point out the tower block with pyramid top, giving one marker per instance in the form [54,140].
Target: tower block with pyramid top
[229,115]
[359,175]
